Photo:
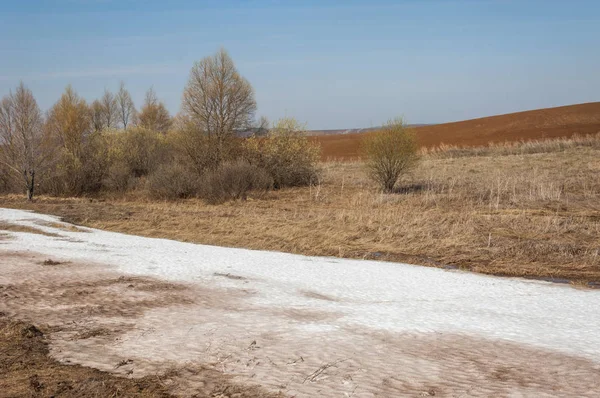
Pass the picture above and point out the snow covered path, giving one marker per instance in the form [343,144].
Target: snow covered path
[385,329]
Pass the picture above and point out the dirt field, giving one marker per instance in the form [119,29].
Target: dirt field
[531,125]
[525,214]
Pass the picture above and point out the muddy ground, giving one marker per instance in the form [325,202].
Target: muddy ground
[42,311]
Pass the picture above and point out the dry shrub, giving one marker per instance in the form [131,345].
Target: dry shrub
[80,173]
[134,153]
[389,153]
[286,154]
[200,150]
[234,180]
[141,149]
[195,148]
[119,177]
[172,181]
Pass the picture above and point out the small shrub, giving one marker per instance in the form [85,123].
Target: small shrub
[119,177]
[389,153]
[233,181]
[172,181]
[286,154]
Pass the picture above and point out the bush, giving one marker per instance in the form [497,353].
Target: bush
[81,173]
[233,181]
[142,150]
[172,181]
[286,154]
[119,177]
[389,153]
[201,151]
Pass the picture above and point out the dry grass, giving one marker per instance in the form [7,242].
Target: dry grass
[533,215]
[63,227]
[6,226]
[515,147]
[26,370]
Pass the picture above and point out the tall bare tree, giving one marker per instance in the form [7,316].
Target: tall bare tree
[217,99]
[154,114]
[97,115]
[110,109]
[126,107]
[21,136]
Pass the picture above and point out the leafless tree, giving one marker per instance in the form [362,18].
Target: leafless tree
[97,115]
[126,107]
[110,109]
[21,136]
[154,114]
[217,99]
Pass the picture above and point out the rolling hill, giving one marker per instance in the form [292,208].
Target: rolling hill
[562,121]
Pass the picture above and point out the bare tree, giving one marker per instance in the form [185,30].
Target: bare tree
[110,109]
[154,114]
[217,99]
[97,115]
[126,107]
[21,136]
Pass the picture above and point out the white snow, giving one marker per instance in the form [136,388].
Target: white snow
[376,295]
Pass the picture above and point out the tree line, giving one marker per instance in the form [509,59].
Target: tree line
[79,148]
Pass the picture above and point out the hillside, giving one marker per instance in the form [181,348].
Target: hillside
[562,121]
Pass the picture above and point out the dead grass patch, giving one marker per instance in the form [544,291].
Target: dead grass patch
[50,262]
[526,215]
[318,296]
[27,370]
[230,276]
[6,226]
[64,227]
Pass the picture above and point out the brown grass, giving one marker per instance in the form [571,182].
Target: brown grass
[6,226]
[26,370]
[532,215]
[560,122]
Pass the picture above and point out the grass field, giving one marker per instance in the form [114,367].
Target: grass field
[528,210]
[548,123]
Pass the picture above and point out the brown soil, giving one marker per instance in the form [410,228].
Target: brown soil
[26,370]
[564,121]
[46,311]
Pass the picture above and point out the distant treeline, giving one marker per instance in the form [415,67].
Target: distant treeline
[79,148]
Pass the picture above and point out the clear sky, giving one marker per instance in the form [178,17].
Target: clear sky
[331,64]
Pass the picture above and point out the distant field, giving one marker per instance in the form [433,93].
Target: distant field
[563,121]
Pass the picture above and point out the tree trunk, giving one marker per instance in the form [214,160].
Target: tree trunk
[30,186]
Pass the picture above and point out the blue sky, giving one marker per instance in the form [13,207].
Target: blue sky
[331,64]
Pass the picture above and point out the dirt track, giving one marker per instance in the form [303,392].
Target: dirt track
[542,123]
